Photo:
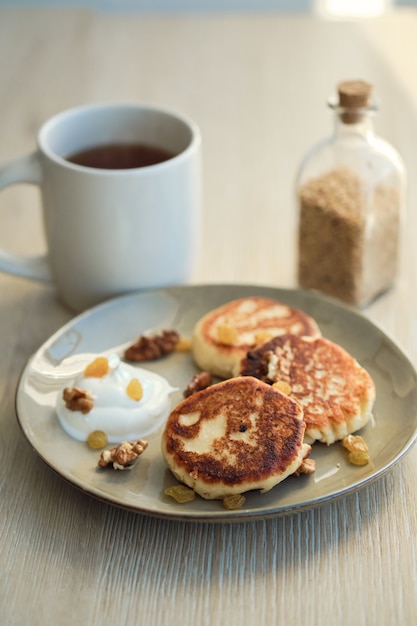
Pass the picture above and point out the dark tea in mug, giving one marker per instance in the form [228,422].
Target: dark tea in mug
[120,156]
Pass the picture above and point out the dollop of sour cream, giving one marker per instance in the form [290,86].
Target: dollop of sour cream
[114,410]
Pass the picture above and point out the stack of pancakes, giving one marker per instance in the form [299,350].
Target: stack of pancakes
[243,433]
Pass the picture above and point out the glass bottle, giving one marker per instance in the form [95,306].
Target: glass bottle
[351,195]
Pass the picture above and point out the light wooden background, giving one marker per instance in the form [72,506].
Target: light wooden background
[257,87]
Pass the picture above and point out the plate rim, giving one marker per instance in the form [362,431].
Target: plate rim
[219,516]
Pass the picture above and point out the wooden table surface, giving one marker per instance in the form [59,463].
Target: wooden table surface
[257,86]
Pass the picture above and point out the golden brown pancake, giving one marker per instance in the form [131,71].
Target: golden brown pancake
[223,336]
[235,436]
[336,393]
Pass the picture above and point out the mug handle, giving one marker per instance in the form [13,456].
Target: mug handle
[25,169]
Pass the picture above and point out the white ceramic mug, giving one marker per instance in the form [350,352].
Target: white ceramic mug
[110,231]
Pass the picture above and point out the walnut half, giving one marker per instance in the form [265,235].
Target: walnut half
[77,399]
[200,381]
[308,466]
[150,347]
[123,455]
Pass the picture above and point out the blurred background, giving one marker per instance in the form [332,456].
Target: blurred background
[324,8]
[254,74]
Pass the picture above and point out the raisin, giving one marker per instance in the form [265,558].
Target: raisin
[97,368]
[97,440]
[233,502]
[180,493]
[358,458]
[135,390]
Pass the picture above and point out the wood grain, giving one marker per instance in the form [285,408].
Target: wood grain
[256,85]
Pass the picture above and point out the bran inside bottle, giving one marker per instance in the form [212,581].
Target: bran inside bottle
[350,192]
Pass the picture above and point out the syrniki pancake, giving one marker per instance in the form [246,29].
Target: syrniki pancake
[235,436]
[223,336]
[336,393]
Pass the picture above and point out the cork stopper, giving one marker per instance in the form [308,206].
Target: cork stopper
[354,94]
